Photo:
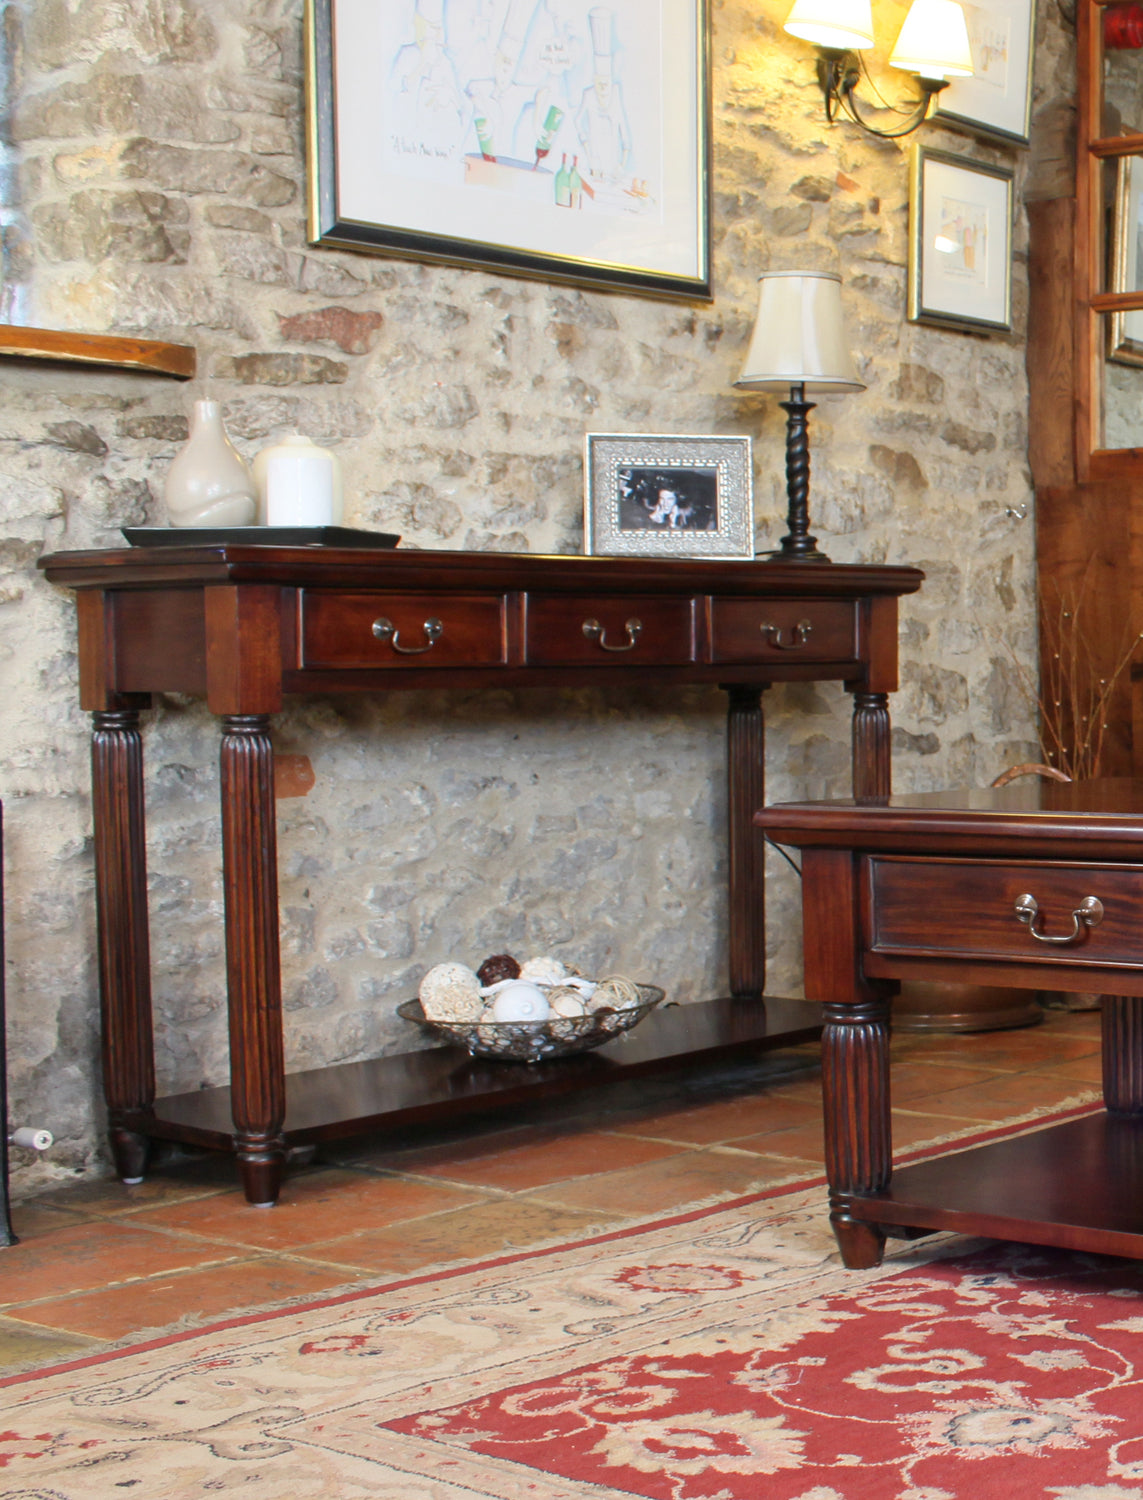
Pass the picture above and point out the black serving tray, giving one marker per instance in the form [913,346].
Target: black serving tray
[257,536]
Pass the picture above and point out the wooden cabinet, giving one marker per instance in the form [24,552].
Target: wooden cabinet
[1085,369]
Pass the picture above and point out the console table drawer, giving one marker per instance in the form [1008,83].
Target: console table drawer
[788,630]
[570,630]
[968,908]
[401,630]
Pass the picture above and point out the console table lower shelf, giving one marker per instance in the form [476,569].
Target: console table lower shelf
[326,1104]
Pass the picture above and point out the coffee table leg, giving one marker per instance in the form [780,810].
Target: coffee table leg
[124,943]
[858,1142]
[254,985]
[1121,1026]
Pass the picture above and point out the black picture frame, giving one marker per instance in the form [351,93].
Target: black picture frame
[372,187]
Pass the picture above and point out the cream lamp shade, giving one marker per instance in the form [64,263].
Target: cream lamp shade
[934,41]
[842,25]
[799,335]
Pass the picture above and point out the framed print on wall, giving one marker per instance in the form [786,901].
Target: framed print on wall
[996,102]
[960,243]
[1126,328]
[667,496]
[568,142]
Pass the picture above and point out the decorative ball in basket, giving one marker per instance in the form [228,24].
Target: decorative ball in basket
[527,1012]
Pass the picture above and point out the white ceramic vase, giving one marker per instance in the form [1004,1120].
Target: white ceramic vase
[209,483]
[298,484]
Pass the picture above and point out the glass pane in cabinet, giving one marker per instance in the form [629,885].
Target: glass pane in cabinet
[1122,70]
[1122,380]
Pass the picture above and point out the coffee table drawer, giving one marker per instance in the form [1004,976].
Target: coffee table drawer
[786,630]
[581,630]
[357,631]
[968,908]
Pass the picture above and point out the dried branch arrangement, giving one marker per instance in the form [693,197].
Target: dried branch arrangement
[1078,681]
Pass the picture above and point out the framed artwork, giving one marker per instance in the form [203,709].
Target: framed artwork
[960,243]
[567,141]
[996,102]
[648,496]
[1126,328]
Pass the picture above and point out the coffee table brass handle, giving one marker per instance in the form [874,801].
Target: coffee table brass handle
[1089,913]
[798,636]
[597,632]
[385,630]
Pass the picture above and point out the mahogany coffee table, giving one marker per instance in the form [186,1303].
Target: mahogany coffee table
[1035,886]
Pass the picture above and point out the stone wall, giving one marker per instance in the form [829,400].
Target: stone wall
[156,186]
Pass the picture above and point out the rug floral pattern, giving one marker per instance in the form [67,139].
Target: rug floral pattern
[725,1355]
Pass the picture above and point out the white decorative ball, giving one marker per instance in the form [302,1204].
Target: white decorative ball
[567,1005]
[543,971]
[519,1001]
[450,992]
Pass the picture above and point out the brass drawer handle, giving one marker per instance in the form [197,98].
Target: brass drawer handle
[1089,913]
[385,630]
[798,636]
[597,632]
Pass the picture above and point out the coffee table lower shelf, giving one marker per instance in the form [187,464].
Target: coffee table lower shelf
[326,1104]
[1077,1185]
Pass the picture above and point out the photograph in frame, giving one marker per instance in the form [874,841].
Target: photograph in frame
[568,142]
[996,102]
[648,495]
[1126,328]
[960,243]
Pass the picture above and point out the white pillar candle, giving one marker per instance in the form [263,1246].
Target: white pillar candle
[299,488]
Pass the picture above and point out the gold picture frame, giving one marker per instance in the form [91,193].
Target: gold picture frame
[1125,328]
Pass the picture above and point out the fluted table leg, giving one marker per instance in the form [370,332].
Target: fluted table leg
[858,1136]
[250,879]
[746,792]
[1121,1025]
[123,936]
[871,747]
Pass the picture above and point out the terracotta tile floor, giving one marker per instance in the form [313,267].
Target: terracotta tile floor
[99,1263]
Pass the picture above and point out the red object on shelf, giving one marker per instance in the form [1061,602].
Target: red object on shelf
[1123,27]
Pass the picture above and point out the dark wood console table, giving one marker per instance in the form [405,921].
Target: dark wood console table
[1034,886]
[243,625]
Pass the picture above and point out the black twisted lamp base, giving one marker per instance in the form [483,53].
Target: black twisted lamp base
[798,545]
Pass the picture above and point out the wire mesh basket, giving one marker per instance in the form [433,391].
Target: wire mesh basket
[535,1041]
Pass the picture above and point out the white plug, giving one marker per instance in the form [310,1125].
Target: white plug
[31,1139]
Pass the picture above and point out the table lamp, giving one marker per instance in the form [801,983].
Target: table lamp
[799,342]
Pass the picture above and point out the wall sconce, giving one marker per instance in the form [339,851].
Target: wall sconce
[933,44]
[798,342]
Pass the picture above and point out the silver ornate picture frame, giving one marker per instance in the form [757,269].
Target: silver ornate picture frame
[668,496]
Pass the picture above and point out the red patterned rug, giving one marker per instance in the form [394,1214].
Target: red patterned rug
[723,1354]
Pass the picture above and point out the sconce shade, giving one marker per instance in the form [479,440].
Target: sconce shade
[799,335]
[934,41]
[842,25]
